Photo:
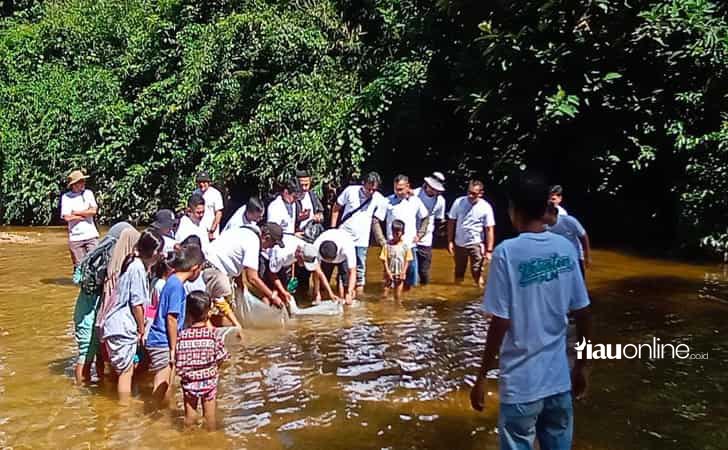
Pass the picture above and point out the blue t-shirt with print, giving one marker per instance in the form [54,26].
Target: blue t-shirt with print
[171,301]
[534,281]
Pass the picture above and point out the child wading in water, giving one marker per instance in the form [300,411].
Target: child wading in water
[396,257]
[170,318]
[198,354]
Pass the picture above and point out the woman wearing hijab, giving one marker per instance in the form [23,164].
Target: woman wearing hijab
[90,276]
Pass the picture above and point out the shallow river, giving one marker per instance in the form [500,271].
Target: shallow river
[384,376]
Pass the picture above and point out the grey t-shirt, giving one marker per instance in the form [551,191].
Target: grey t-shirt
[133,290]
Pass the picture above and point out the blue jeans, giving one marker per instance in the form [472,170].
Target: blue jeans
[411,276]
[549,419]
[361,266]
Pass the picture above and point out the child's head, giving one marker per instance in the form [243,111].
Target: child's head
[551,215]
[556,194]
[188,259]
[150,244]
[528,195]
[198,306]
[397,230]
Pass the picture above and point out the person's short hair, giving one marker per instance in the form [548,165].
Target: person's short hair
[198,306]
[400,178]
[474,183]
[303,173]
[373,178]
[150,241]
[397,225]
[552,209]
[254,205]
[556,189]
[192,239]
[528,194]
[293,186]
[195,200]
[328,250]
[186,257]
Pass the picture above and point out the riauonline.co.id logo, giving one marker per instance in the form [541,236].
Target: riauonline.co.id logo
[654,350]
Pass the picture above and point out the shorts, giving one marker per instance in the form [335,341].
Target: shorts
[393,283]
[158,358]
[193,396]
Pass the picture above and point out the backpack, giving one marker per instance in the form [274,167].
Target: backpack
[91,271]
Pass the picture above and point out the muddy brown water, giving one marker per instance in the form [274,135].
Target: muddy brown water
[384,376]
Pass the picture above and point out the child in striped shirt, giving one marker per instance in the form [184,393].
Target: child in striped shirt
[198,354]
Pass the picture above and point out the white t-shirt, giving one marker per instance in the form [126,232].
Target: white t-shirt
[571,229]
[234,250]
[360,224]
[306,204]
[562,211]
[534,281]
[436,209]
[470,220]
[187,228]
[409,210]
[213,204]
[346,251]
[169,243]
[279,258]
[238,219]
[282,213]
[197,285]
[79,230]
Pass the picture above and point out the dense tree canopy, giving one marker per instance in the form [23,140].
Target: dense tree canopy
[624,103]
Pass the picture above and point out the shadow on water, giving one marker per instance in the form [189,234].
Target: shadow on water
[58,281]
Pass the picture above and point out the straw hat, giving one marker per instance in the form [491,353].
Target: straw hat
[76,176]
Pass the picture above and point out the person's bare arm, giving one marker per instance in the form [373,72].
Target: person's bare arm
[580,373]
[422,230]
[255,281]
[172,335]
[378,233]
[323,281]
[586,245]
[138,312]
[489,242]
[90,212]
[451,236]
[216,221]
[496,332]
[72,217]
[335,214]
[352,284]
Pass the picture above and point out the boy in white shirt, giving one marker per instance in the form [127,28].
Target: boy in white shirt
[533,284]
[78,208]
[191,222]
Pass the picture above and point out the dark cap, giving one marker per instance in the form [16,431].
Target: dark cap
[556,189]
[302,173]
[274,231]
[203,176]
[164,219]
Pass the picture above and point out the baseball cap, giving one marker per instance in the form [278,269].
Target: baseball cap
[203,176]
[164,219]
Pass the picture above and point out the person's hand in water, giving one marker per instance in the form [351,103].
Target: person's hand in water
[477,394]
[579,381]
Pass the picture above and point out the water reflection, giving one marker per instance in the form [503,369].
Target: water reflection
[386,375]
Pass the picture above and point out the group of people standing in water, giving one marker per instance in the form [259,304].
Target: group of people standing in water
[158,299]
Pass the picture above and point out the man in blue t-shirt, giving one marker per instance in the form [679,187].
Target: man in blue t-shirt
[533,283]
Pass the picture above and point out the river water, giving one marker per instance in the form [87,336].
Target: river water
[385,375]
